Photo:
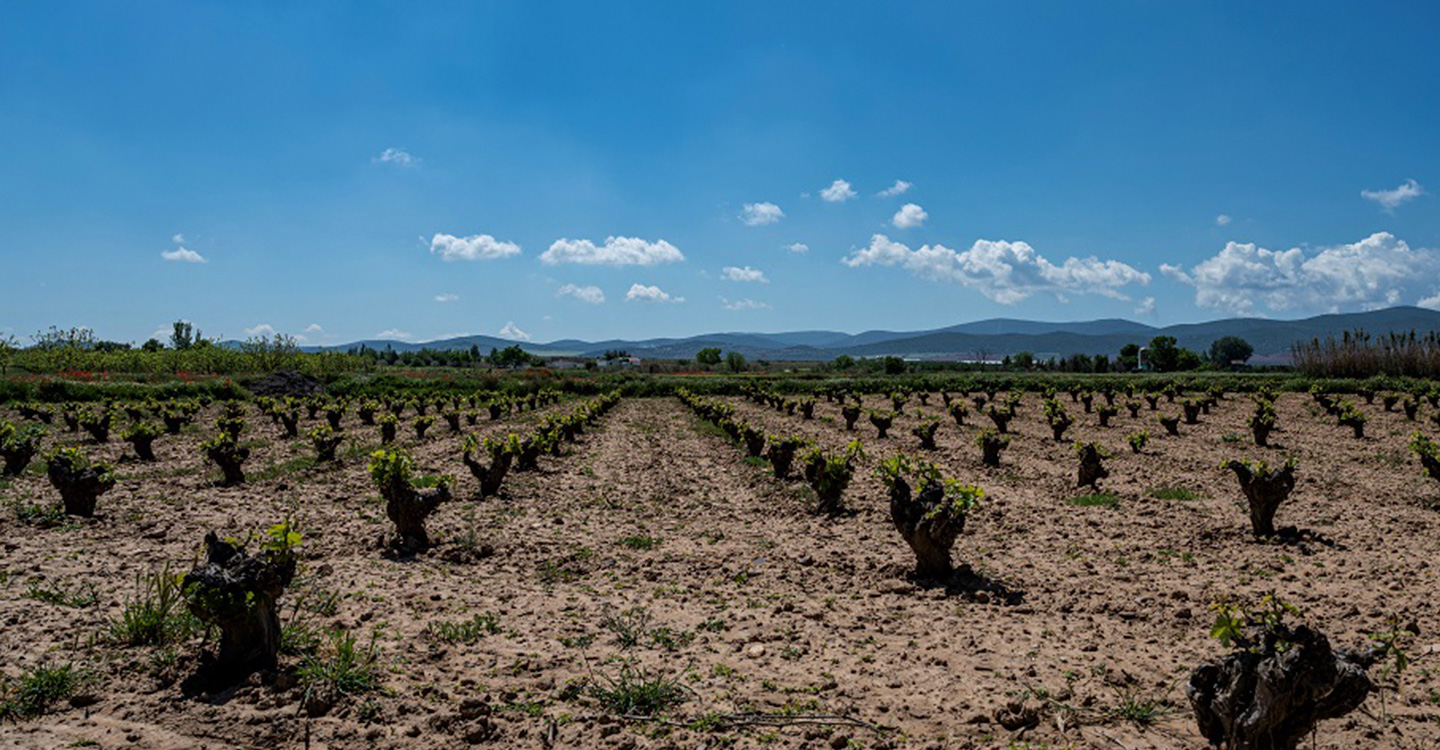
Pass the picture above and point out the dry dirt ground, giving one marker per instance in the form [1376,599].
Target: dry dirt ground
[654,547]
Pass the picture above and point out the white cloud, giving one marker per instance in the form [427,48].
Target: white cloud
[1389,200]
[642,293]
[617,251]
[314,328]
[1223,220]
[1146,307]
[397,156]
[591,294]
[1006,272]
[513,333]
[475,247]
[1378,271]
[733,273]
[263,330]
[446,297]
[178,239]
[393,333]
[743,304]
[183,255]
[909,216]
[838,192]
[760,214]
[899,188]
[799,248]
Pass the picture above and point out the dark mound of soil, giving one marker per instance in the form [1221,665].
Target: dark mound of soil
[286,383]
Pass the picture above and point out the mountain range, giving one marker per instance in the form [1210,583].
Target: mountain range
[983,339]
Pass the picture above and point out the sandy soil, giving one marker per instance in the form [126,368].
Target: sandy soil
[1094,616]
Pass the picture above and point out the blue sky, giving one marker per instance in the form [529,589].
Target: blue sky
[347,169]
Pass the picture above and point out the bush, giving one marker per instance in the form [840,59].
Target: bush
[409,500]
[79,482]
[1265,488]
[1137,441]
[882,421]
[1277,683]
[18,445]
[141,437]
[931,518]
[325,441]
[223,451]
[991,443]
[501,452]
[239,594]
[829,475]
[1092,469]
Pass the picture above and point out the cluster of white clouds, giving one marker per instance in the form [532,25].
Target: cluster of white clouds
[475,247]
[1389,200]
[1378,271]
[743,304]
[616,251]
[899,188]
[397,156]
[744,273]
[512,332]
[591,294]
[642,293]
[181,254]
[838,192]
[799,248]
[760,214]
[909,216]
[446,297]
[1006,272]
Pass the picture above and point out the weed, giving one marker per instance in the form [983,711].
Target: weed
[641,543]
[35,691]
[1173,492]
[156,615]
[1096,499]
[347,668]
[79,596]
[465,631]
[636,691]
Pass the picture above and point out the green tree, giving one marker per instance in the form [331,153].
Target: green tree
[1164,354]
[1227,350]
[152,345]
[1129,358]
[510,357]
[708,357]
[1023,361]
[735,361]
[183,335]
[893,365]
[844,362]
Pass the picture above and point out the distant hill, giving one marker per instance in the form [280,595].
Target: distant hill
[992,338]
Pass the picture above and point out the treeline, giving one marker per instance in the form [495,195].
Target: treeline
[1360,355]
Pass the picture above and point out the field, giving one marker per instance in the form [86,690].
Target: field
[651,587]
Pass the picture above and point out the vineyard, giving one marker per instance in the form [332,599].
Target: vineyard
[723,562]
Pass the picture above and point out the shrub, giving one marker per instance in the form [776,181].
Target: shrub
[1057,417]
[931,518]
[388,424]
[1001,418]
[754,441]
[851,414]
[1092,469]
[882,421]
[96,421]
[409,500]
[1277,683]
[1265,488]
[1424,448]
[421,424]
[1133,407]
[991,443]
[501,452]
[1262,422]
[80,483]
[1171,425]
[141,437]
[175,419]
[1137,441]
[1191,409]
[239,594]
[1351,417]
[223,451]
[829,475]
[958,412]
[1105,413]
[807,408]
[18,445]
[325,441]
[781,452]
[925,431]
